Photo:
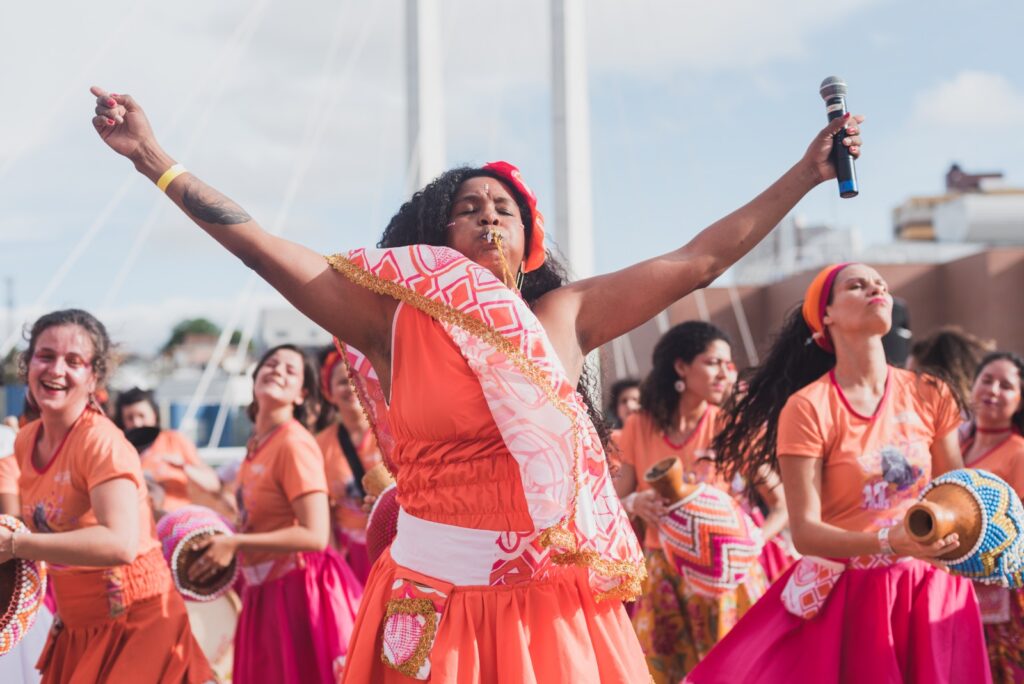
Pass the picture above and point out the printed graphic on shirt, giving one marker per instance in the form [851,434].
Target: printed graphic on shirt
[39,519]
[897,474]
[49,515]
[243,512]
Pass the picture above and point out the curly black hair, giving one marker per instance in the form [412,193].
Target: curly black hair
[658,396]
[423,220]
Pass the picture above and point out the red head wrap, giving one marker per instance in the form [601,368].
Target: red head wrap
[332,359]
[533,259]
[815,301]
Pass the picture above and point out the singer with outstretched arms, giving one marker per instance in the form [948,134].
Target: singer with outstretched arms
[467,342]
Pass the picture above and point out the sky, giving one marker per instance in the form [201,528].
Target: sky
[297,111]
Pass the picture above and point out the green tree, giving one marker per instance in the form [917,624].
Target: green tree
[191,326]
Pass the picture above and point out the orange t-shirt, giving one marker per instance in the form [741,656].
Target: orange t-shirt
[172,478]
[288,465]
[875,466]
[339,473]
[1006,460]
[642,444]
[56,498]
[9,474]
[346,503]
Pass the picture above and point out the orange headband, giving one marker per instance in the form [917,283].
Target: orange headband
[815,301]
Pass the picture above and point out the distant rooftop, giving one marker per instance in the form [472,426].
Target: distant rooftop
[958,180]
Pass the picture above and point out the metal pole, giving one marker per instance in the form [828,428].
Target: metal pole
[424,92]
[571,137]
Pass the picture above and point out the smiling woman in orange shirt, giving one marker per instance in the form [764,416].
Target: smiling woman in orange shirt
[291,577]
[119,617]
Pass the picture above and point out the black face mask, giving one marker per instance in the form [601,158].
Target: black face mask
[142,438]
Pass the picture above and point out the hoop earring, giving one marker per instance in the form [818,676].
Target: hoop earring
[680,386]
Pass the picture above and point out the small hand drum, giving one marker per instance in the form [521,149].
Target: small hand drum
[22,587]
[178,532]
[709,540]
[987,516]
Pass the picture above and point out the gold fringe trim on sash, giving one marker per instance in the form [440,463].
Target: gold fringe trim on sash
[559,535]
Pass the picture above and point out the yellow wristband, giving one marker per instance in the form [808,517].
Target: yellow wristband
[168,176]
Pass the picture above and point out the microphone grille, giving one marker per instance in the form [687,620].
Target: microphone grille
[832,86]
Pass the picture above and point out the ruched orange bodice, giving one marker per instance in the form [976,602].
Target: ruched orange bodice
[453,466]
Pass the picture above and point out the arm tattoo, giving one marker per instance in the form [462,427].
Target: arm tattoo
[205,204]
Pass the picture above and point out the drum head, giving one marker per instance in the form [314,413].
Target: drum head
[188,555]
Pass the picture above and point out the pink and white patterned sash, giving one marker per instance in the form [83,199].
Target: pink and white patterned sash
[543,421]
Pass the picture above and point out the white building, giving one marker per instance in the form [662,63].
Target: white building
[285,325]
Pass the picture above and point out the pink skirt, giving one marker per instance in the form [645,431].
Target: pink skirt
[295,629]
[907,622]
[356,555]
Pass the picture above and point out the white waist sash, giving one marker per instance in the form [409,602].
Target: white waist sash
[457,555]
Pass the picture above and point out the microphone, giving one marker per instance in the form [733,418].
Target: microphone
[833,92]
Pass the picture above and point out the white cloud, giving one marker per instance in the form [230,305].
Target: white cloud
[643,36]
[236,113]
[972,99]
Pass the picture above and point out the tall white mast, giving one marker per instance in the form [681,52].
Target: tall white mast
[425,102]
[571,136]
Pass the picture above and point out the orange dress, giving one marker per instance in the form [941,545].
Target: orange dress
[346,493]
[119,624]
[456,477]
[170,477]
